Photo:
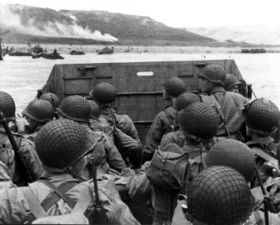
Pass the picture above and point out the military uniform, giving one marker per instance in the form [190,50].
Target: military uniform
[232,105]
[164,122]
[15,208]
[28,155]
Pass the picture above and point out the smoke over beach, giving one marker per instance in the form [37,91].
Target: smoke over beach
[58,24]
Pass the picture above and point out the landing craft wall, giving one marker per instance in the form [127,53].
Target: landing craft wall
[138,84]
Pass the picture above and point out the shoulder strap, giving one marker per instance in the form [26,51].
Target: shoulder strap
[35,207]
[83,202]
[59,192]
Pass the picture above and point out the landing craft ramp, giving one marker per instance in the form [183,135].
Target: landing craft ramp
[138,84]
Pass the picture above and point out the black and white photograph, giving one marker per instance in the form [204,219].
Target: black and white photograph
[140,112]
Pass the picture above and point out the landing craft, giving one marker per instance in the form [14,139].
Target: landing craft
[138,84]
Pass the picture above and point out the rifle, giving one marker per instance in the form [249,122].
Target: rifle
[99,213]
[20,167]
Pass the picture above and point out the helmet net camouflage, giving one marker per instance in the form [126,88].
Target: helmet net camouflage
[219,196]
[213,73]
[51,97]
[185,99]
[234,154]
[39,110]
[262,114]
[94,109]
[104,93]
[7,105]
[230,81]
[61,143]
[76,108]
[175,86]
[199,119]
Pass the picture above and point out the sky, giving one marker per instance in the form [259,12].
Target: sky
[178,13]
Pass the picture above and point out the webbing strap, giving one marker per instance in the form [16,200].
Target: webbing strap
[83,202]
[59,192]
[35,207]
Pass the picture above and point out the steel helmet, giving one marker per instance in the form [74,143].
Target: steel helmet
[61,143]
[76,108]
[51,97]
[214,74]
[199,119]
[7,105]
[104,93]
[219,195]
[94,109]
[39,110]
[185,99]
[262,114]
[230,82]
[234,154]
[175,86]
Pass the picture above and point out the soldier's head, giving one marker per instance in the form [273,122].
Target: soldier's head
[200,120]
[218,195]
[173,88]
[51,97]
[211,76]
[7,105]
[94,110]
[262,117]
[61,146]
[75,108]
[104,93]
[186,99]
[37,112]
[231,83]
[234,154]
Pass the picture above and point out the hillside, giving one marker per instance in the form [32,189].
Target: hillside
[261,34]
[31,24]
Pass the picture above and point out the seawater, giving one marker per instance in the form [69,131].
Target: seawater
[22,76]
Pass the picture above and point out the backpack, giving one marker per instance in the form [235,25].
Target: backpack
[168,168]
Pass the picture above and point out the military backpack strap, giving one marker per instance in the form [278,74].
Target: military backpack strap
[36,209]
[83,202]
[59,193]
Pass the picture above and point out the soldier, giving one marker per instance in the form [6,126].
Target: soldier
[118,126]
[231,83]
[217,196]
[262,118]
[77,108]
[165,121]
[62,146]
[212,80]
[199,123]
[50,97]
[26,148]
[38,112]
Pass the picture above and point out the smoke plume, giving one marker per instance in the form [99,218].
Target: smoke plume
[49,28]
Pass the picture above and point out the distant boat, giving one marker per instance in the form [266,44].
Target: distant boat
[253,50]
[18,53]
[74,52]
[47,56]
[105,50]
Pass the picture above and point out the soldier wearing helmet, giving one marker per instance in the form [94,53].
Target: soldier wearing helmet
[217,196]
[165,121]
[262,118]
[198,124]
[27,151]
[50,97]
[212,79]
[62,146]
[120,127]
[231,83]
[38,112]
[78,109]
